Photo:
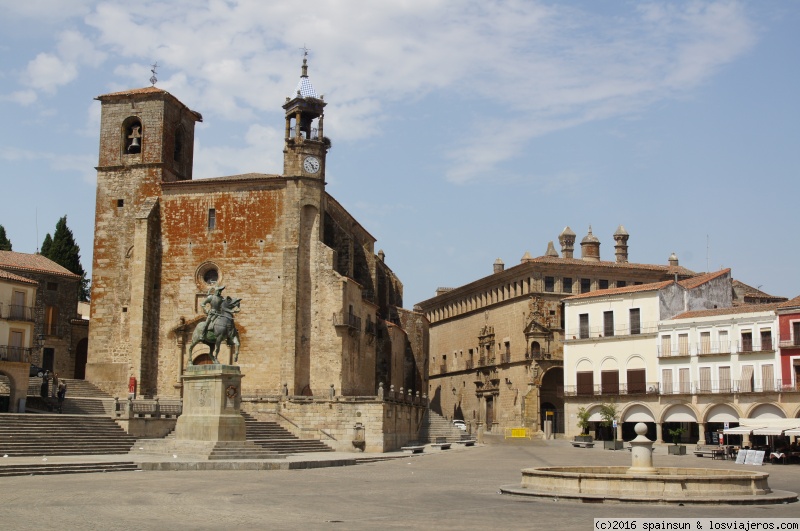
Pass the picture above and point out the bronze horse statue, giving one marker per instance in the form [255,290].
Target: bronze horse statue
[219,330]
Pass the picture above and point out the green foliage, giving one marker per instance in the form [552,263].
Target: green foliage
[63,250]
[608,414]
[5,243]
[676,435]
[46,245]
[583,420]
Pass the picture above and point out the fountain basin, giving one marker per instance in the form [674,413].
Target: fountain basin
[661,485]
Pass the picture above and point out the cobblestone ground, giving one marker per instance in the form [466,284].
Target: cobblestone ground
[455,489]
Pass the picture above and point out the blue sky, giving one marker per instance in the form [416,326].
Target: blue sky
[462,131]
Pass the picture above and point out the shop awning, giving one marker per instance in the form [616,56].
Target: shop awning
[794,431]
[768,431]
[740,430]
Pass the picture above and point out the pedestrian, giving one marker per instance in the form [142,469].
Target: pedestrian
[62,393]
[55,385]
[43,392]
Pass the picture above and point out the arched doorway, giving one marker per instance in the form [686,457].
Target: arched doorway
[681,416]
[81,353]
[632,416]
[550,399]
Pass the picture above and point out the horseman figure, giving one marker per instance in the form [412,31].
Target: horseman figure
[219,325]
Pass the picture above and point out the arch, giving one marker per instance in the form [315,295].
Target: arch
[551,398]
[766,411]
[637,412]
[584,365]
[635,361]
[132,136]
[796,413]
[679,413]
[721,413]
[594,413]
[609,363]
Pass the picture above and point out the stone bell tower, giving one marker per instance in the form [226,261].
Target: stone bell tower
[305,146]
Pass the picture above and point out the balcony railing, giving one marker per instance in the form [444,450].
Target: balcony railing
[789,343]
[686,388]
[720,348]
[9,353]
[353,322]
[314,133]
[672,352]
[712,349]
[15,312]
[538,354]
[599,332]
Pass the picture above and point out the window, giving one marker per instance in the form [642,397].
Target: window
[51,320]
[666,346]
[637,381]
[549,284]
[602,284]
[705,342]
[52,286]
[636,323]
[585,382]
[684,383]
[666,382]
[724,379]
[796,333]
[132,140]
[586,285]
[747,342]
[584,325]
[767,378]
[683,344]
[608,324]
[724,344]
[609,382]
[566,284]
[705,379]
[212,218]
[120,203]
[621,283]
[766,339]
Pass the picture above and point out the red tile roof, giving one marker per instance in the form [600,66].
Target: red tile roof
[680,270]
[745,308]
[33,262]
[689,283]
[790,303]
[5,275]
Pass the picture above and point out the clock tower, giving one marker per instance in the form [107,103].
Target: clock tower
[305,146]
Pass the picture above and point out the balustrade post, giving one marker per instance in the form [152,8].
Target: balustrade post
[157,411]
[380,391]
[129,407]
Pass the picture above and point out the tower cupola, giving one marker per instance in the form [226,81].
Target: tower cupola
[305,145]
[590,247]
[621,246]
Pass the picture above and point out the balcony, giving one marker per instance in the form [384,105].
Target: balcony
[15,312]
[9,353]
[755,346]
[714,387]
[617,389]
[347,320]
[505,357]
[790,343]
[621,330]
[673,352]
[538,354]
[713,349]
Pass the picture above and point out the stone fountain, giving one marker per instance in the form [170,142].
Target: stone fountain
[644,483]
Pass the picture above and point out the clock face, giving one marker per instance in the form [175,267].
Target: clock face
[311,164]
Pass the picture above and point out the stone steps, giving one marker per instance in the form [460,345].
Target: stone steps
[273,436]
[26,435]
[66,468]
[435,426]
[201,450]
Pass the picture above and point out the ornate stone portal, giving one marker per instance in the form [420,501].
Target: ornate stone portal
[211,400]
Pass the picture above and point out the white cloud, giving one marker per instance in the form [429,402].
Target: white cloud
[216,161]
[47,72]
[22,97]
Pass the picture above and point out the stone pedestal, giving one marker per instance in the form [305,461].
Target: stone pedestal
[641,452]
[211,400]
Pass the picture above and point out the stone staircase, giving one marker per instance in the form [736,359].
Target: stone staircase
[273,436]
[45,434]
[66,468]
[83,398]
[202,450]
[435,427]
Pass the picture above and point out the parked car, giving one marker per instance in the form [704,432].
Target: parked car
[460,424]
[36,371]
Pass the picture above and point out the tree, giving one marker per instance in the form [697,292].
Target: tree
[46,245]
[63,250]
[583,420]
[5,243]
[608,414]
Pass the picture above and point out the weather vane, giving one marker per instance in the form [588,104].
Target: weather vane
[153,78]
[305,50]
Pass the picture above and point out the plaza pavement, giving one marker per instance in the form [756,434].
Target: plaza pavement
[453,489]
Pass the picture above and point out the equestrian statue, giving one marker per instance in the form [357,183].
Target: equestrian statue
[218,326]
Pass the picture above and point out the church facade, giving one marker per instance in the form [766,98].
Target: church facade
[321,313]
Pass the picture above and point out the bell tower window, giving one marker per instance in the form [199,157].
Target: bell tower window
[132,136]
[177,152]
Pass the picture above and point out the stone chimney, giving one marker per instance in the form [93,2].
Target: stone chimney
[621,247]
[499,266]
[673,260]
[567,241]
[590,247]
[551,250]
[381,255]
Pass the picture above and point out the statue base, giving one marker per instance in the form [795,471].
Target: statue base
[211,401]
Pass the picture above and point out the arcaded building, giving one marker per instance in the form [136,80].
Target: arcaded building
[321,312]
[496,344]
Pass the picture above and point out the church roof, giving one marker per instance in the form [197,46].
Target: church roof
[35,263]
[305,88]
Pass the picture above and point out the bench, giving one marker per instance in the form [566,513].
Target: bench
[413,449]
[714,452]
[582,444]
[466,442]
[441,446]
